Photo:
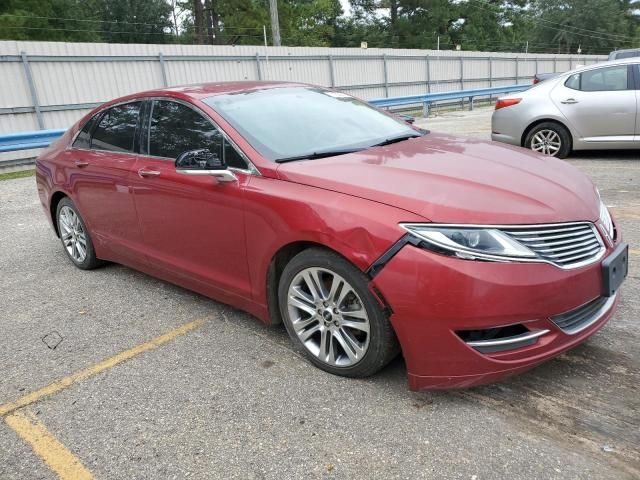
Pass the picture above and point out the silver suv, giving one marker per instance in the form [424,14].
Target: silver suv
[620,54]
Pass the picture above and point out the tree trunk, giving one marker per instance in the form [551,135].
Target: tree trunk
[198,13]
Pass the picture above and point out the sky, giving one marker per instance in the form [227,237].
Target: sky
[346,7]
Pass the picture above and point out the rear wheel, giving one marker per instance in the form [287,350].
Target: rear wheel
[75,237]
[549,138]
[332,316]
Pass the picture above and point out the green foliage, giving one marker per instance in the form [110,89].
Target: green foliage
[610,24]
[48,20]
[555,26]
[135,21]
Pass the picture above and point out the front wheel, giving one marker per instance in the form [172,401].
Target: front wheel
[550,139]
[332,316]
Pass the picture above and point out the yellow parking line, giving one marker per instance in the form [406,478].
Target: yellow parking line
[59,459]
[56,387]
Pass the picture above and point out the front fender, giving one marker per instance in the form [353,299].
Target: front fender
[279,213]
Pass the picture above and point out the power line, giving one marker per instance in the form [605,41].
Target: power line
[75,19]
[615,37]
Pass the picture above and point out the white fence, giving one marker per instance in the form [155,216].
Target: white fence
[50,85]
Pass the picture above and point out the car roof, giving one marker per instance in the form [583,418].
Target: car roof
[204,90]
[605,63]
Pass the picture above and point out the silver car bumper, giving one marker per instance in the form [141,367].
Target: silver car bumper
[506,126]
[501,137]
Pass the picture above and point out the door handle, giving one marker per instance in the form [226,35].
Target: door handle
[81,163]
[570,101]
[148,173]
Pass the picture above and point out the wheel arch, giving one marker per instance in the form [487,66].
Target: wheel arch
[537,122]
[56,197]
[276,266]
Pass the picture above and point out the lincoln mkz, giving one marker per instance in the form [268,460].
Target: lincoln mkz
[365,235]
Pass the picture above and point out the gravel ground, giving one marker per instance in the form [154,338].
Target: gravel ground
[233,400]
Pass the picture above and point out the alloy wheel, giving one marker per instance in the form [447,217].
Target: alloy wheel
[547,142]
[328,317]
[73,235]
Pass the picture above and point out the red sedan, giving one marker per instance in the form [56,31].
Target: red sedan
[364,235]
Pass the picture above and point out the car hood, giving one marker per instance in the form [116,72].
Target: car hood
[448,179]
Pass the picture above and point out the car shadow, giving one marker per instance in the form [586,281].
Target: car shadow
[605,155]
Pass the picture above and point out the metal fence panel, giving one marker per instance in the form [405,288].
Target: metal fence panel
[52,84]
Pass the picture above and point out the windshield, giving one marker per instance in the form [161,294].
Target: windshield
[291,122]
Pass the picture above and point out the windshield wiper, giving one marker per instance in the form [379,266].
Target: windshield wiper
[397,139]
[314,155]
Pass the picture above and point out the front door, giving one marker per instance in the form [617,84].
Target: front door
[600,103]
[193,226]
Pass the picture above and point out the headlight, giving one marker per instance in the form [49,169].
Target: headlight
[605,218]
[470,242]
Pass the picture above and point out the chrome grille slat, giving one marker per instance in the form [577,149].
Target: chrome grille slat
[552,237]
[561,242]
[526,231]
[593,242]
[573,252]
[570,245]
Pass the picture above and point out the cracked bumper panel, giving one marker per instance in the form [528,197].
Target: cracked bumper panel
[433,296]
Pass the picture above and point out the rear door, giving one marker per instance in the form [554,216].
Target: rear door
[600,103]
[193,226]
[103,159]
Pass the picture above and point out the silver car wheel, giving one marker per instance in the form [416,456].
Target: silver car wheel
[73,235]
[328,317]
[547,142]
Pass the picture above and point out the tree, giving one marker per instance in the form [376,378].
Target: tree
[135,21]
[596,26]
[57,20]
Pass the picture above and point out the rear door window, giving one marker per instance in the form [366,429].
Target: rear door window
[116,128]
[608,79]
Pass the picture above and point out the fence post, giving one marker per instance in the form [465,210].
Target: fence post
[258,66]
[425,110]
[428,73]
[555,64]
[517,71]
[386,75]
[32,90]
[332,74]
[162,70]
[461,80]
[490,77]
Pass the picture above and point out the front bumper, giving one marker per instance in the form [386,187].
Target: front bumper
[434,296]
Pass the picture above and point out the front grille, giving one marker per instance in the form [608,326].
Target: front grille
[580,318]
[566,245]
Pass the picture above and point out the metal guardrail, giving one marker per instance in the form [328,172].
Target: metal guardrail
[29,140]
[429,98]
[43,138]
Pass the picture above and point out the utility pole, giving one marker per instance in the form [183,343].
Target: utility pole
[275,25]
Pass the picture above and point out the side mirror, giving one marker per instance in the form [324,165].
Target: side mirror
[203,162]
[202,159]
[407,118]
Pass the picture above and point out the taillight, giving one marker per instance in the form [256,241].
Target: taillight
[536,80]
[507,102]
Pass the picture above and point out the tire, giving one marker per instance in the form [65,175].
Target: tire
[549,138]
[75,237]
[358,338]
